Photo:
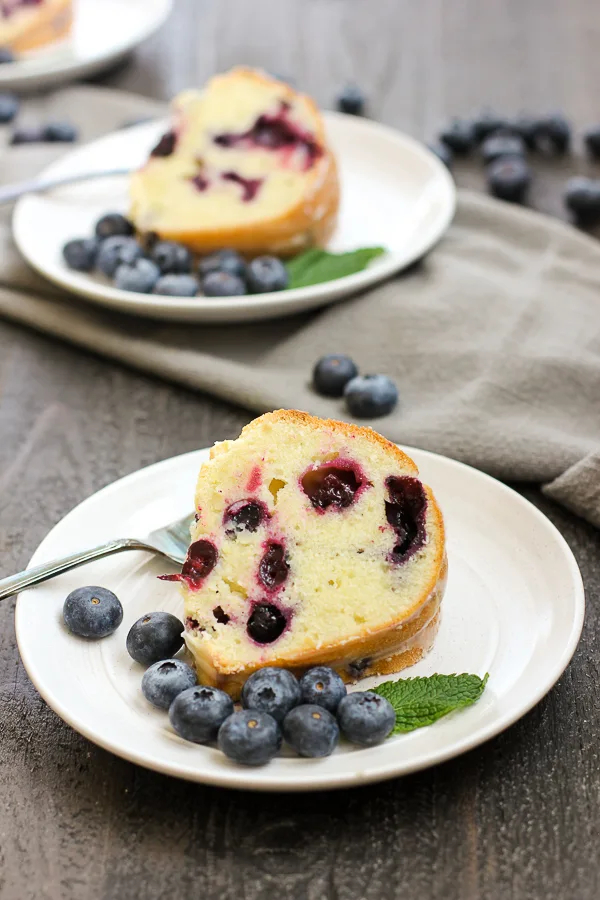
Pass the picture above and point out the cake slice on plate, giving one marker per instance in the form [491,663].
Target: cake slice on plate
[30,24]
[315,543]
[244,164]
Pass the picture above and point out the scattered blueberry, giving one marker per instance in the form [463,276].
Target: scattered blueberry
[177,286]
[197,713]
[311,731]
[250,737]
[266,274]
[553,135]
[332,373]
[459,135]
[526,127]
[9,107]
[60,132]
[140,276]
[582,198]
[366,718]
[222,284]
[113,224]
[92,612]
[443,153]
[321,686]
[171,257]
[351,100]
[27,134]
[486,123]
[164,680]
[80,254]
[502,144]
[155,636]
[271,690]
[508,178]
[116,251]
[6,55]
[266,623]
[228,261]
[591,139]
[369,396]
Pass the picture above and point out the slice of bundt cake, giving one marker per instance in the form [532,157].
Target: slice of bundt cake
[245,164]
[315,542]
[30,24]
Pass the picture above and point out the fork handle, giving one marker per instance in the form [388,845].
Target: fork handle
[10,192]
[15,583]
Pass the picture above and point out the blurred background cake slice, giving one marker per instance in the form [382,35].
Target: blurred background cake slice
[31,24]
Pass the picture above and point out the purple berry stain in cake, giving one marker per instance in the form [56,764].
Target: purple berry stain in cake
[245,515]
[254,480]
[405,512]
[334,486]
[273,568]
[192,624]
[266,623]
[250,186]
[221,616]
[201,559]
[200,182]
[166,145]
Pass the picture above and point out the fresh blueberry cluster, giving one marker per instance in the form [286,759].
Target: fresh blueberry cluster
[366,396]
[167,267]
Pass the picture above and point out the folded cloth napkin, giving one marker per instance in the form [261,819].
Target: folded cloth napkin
[493,339]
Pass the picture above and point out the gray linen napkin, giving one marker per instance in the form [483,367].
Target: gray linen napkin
[494,339]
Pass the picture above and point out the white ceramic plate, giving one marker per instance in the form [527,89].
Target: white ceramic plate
[514,608]
[103,32]
[395,193]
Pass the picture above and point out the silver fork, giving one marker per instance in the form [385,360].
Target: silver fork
[171,542]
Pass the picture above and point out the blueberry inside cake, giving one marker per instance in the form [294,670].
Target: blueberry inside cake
[29,24]
[243,164]
[315,542]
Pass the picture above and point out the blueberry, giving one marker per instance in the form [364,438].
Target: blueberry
[80,254]
[368,396]
[117,251]
[27,134]
[582,198]
[140,277]
[332,373]
[486,123]
[266,623]
[198,712]
[156,636]
[222,284]
[311,730]
[508,178]
[322,686]
[459,135]
[6,55]
[250,737]
[351,100]
[171,257]
[164,680]
[365,718]
[553,135]
[502,144]
[273,691]
[244,516]
[113,224]
[526,127]
[266,274]
[177,286]
[60,132]
[92,612]
[228,261]
[9,107]
[443,153]
[591,139]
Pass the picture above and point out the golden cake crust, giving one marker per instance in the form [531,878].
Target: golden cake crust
[37,27]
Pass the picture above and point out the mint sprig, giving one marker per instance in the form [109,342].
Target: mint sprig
[316,266]
[422,701]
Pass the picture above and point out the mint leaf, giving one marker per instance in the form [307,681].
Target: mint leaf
[422,701]
[316,266]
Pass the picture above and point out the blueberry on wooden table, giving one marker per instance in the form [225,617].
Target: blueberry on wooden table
[92,612]
[582,198]
[459,135]
[509,178]
[351,100]
[332,373]
[526,127]
[171,257]
[140,276]
[322,686]
[116,251]
[553,135]
[486,123]
[250,737]
[591,139]
[271,690]
[80,254]
[197,713]
[177,286]
[155,636]
[502,144]
[226,260]
[366,718]
[27,134]
[370,396]
[164,680]
[113,224]
[60,132]
[311,731]
[266,274]
[223,284]
[9,107]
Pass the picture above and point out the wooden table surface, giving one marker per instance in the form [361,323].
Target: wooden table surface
[517,819]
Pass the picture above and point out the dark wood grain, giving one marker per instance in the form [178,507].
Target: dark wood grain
[517,819]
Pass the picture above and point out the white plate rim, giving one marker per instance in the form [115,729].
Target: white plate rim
[256,306]
[240,777]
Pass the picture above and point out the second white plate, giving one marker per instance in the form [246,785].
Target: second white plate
[514,608]
[395,193]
